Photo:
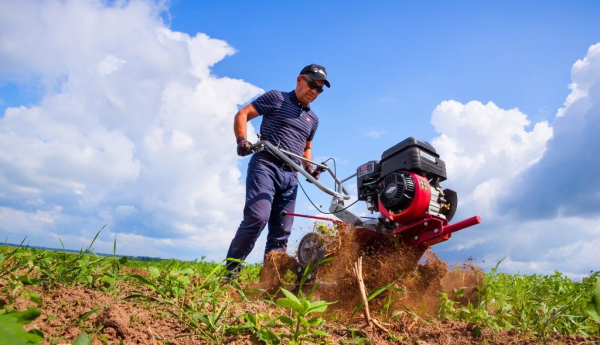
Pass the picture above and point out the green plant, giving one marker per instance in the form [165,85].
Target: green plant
[357,336]
[592,306]
[172,281]
[323,229]
[82,339]
[447,306]
[9,261]
[535,304]
[387,311]
[86,268]
[11,327]
[252,323]
[215,311]
[202,305]
[302,328]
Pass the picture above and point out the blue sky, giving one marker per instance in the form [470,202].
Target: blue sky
[120,113]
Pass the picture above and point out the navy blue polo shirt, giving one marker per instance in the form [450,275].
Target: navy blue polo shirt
[286,123]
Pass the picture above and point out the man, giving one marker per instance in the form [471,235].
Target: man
[271,184]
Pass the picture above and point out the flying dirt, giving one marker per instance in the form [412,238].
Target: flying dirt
[413,211]
[403,187]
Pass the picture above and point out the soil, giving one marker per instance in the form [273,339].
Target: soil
[273,274]
[413,277]
[119,320]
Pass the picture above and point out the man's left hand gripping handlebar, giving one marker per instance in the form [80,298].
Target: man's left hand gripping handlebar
[316,173]
[244,147]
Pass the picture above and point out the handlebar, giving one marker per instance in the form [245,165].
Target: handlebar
[284,156]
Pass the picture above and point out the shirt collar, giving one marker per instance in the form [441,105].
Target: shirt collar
[295,100]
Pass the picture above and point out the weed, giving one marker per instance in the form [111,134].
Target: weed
[253,323]
[194,294]
[387,311]
[357,336]
[301,327]
[11,327]
[592,306]
[203,306]
[536,304]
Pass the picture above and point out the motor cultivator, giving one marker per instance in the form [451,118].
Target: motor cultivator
[404,187]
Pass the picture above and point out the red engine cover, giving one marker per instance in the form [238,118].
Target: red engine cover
[418,207]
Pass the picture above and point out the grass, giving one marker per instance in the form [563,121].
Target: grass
[216,312]
[529,304]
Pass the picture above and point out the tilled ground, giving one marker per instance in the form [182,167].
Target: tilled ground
[141,322]
[414,279]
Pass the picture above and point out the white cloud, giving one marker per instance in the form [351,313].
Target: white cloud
[484,148]
[566,244]
[372,133]
[110,64]
[563,182]
[132,131]
[536,190]
[585,74]
[123,211]
[17,221]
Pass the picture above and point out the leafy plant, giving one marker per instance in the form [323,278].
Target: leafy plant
[11,327]
[592,307]
[386,309]
[252,323]
[357,337]
[447,306]
[214,312]
[82,339]
[323,229]
[527,303]
[9,261]
[302,328]
[172,281]
[86,268]
[203,305]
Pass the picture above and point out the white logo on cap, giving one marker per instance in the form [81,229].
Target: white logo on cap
[320,71]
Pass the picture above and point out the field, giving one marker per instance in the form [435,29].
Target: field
[62,298]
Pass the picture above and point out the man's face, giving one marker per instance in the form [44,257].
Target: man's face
[304,93]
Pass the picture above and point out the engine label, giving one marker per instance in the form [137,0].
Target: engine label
[366,169]
[427,156]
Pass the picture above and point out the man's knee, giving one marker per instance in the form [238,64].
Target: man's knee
[256,218]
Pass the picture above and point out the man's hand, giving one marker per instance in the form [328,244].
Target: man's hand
[244,147]
[316,173]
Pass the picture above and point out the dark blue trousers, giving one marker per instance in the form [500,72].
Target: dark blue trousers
[270,190]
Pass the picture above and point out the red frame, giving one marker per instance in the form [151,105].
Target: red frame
[431,230]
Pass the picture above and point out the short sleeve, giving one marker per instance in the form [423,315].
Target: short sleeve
[267,103]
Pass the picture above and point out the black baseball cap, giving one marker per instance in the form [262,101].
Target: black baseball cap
[316,72]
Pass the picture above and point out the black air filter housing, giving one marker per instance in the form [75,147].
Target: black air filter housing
[413,155]
[397,191]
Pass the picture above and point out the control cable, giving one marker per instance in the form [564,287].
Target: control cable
[335,188]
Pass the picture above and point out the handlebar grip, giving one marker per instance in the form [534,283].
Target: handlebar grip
[258,147]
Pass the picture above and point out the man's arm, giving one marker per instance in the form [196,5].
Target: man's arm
[307,154]
[240,121]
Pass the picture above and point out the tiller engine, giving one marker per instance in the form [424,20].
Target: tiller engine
[404,187]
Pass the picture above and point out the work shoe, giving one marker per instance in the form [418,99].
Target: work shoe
[232,275]
[230,278]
